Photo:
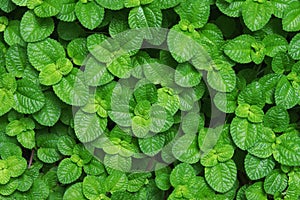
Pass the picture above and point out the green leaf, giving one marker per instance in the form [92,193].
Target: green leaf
[50,75]
[140,126]
[8,149]
[28,97]
[294,47]
[48,8]
[111,4]
[168,99]
[88,127]
[256,14]
[16,60]
[275,182]
[72,89]
[280,6]
[223,80]
[67,12]
[9,188]
[121,66]
[253,94]
[186,75]
[277,118]
[282,63]
[196,12]
[244,133]
[285,94]
[7,99]
[257,168]
[48,155]
[118,162]
[161,119]
[286,150]
[263,147]
[50,113]
[182,174]
[291,17]
[7,6]
[186,149]
[145,16]
[96,73]
[67,171]
[27,139]
[12,34]
[46,52]
[230,8]
[33,28]
[162,178]
[239,48]
[269,83]
[222,176]
[89,14]
[77,50]
[94,167]
[116,181]
[75,191]
[65,145]
[152,145]
[191,123]
[226,102]
[16,166]
[93,186]
[165,4]
[274,44]
[183,45]
[256,191]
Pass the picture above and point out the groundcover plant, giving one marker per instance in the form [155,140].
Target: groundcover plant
[149,99]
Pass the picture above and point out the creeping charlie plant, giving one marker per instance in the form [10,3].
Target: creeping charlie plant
[149,99]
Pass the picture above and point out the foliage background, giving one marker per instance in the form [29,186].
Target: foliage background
[60,93]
